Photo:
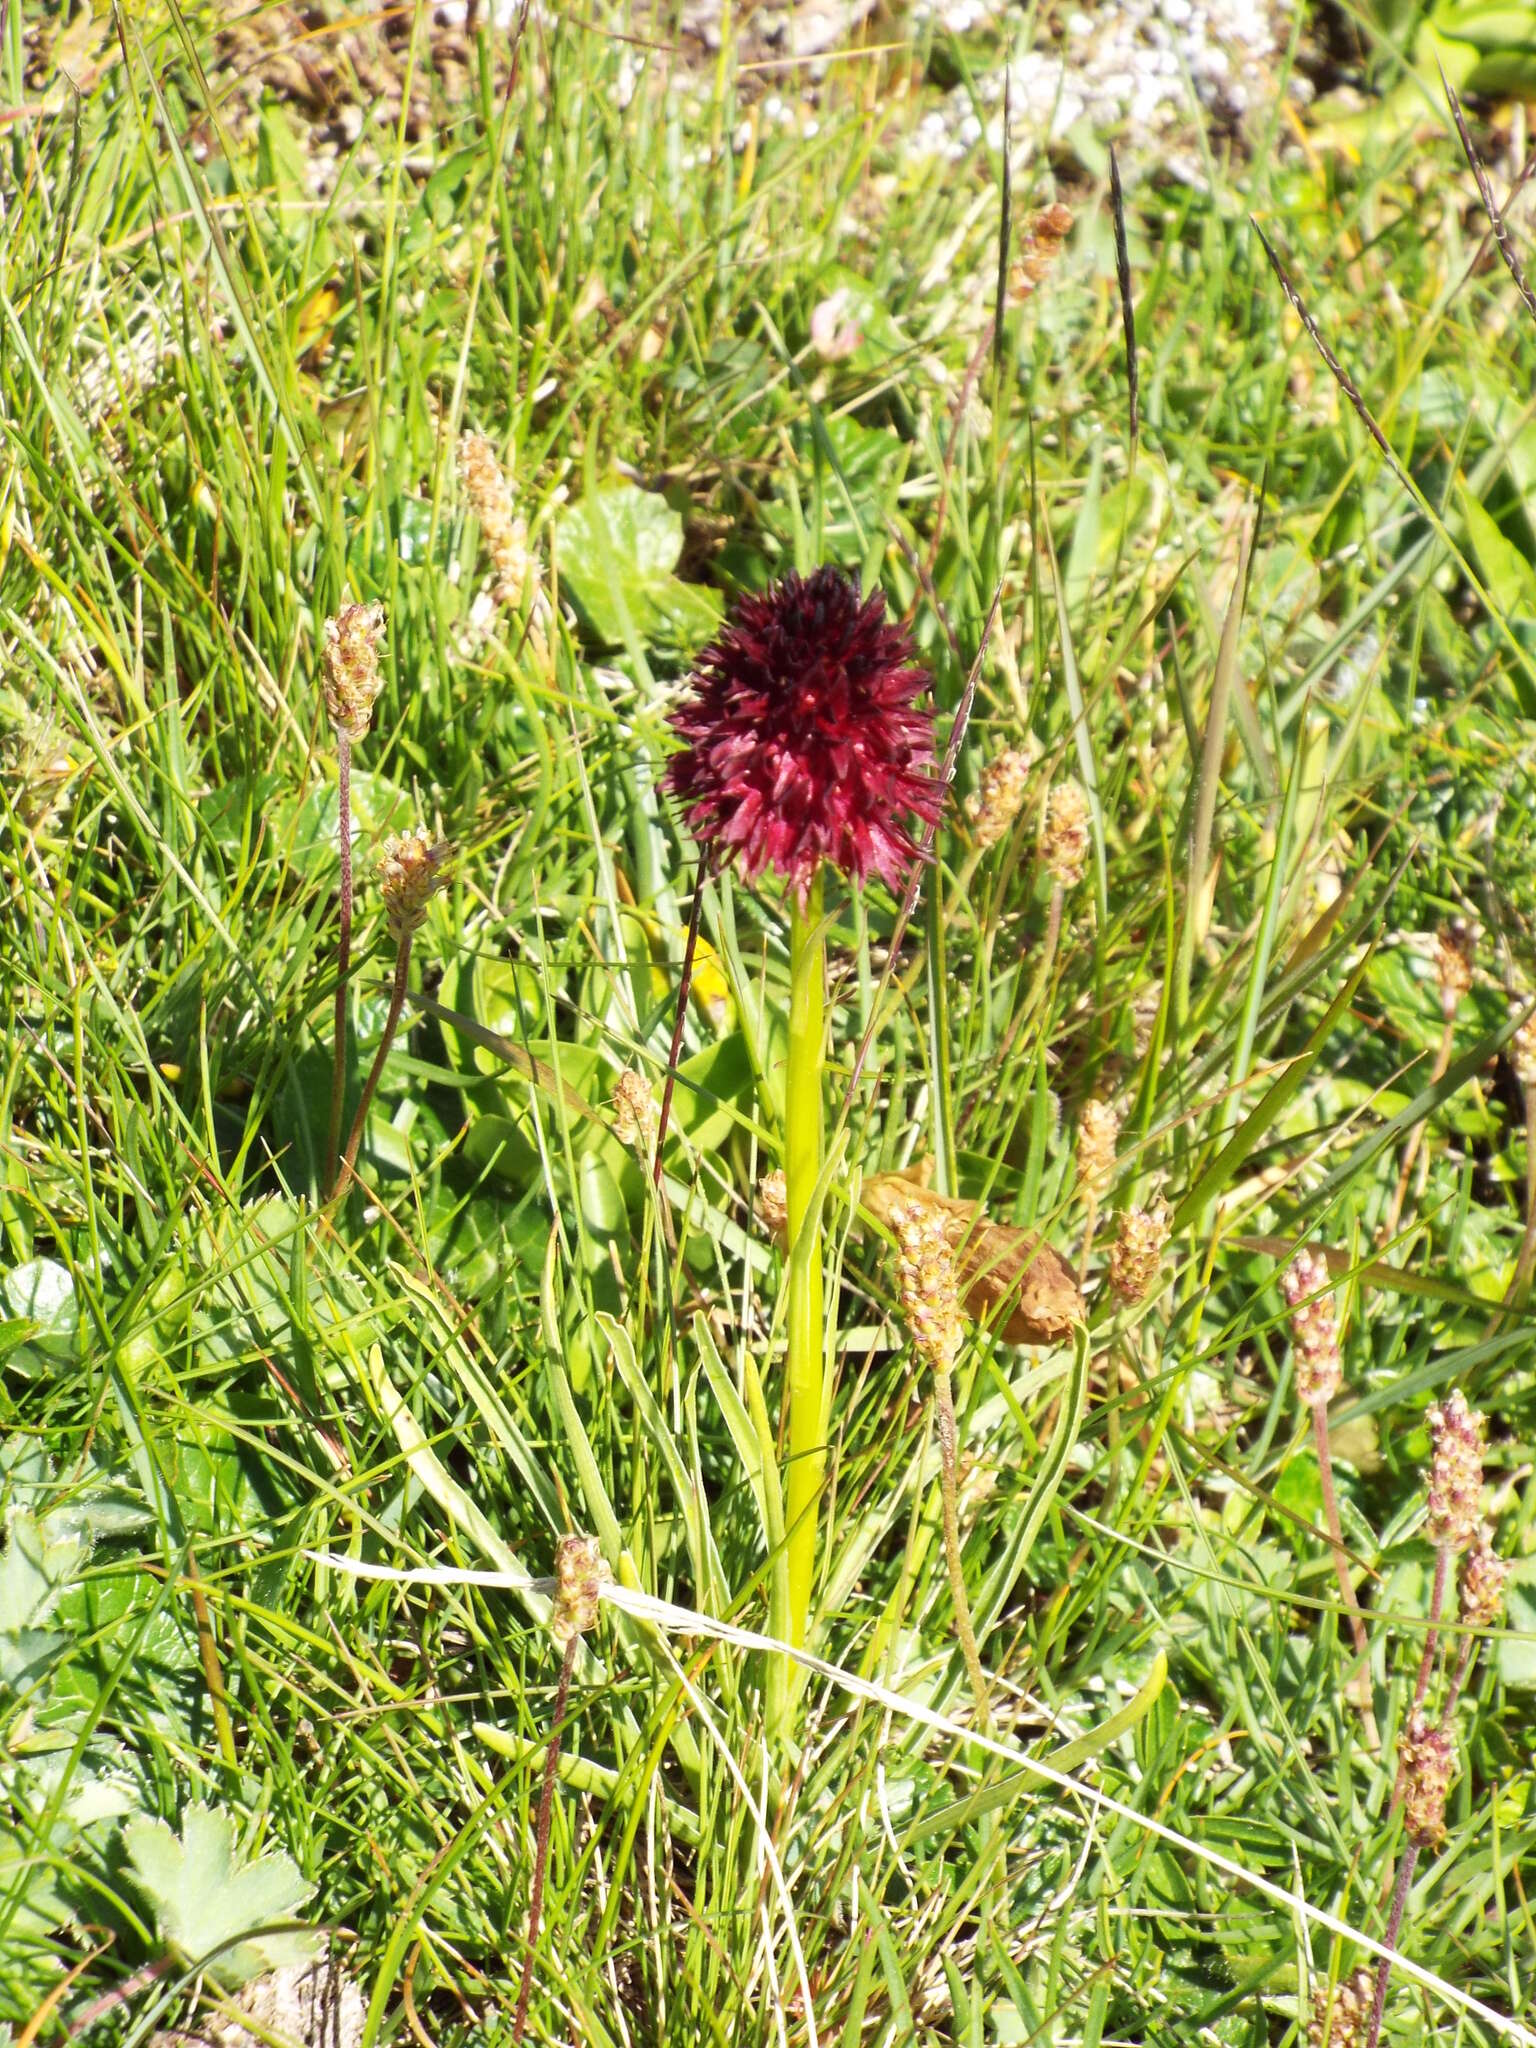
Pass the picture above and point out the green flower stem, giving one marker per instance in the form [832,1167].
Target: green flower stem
[806,1318]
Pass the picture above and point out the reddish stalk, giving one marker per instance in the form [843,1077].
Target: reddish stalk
[949,1486]
[391,1023]
[541,1839]
[332,1169]
[1394,1929]
[1341,1567]
[1459,1678]
[1432,1634]
[87,2015]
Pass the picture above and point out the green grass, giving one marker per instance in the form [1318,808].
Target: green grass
[205,1376]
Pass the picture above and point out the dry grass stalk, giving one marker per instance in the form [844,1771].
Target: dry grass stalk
[1496,221]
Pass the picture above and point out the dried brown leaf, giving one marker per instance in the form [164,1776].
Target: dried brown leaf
[1011,1278]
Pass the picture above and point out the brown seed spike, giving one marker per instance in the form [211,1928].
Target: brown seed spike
[505,533]
[1064,846]
[634,1113]
[352,678]
[1428,1757]
[1455,955]
[1137,1252]
[773,1206]
[1098,1132]
[1010,1278]
[411,868]
[928,1282]
[1483,1573]
[1340,2011]
[1455,1474]
[995,805]
[580,1571]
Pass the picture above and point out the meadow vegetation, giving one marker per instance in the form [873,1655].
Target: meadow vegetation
[1218,981]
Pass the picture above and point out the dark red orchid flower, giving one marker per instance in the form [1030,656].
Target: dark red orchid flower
[803,739]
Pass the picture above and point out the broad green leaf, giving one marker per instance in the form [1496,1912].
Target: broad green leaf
[1094,1740]
[544,1077]
[1517,1644]
[39,1560]
[617,549]
[503,996]
[40,1907]
[500,1145]
[1298,1486]
[43,1293]
[714,1093]
[210,1904]
[25,1654]
[307,826]
[1510,578]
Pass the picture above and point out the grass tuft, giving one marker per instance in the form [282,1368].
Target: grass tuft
[708,322]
